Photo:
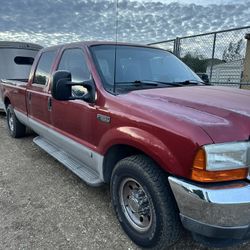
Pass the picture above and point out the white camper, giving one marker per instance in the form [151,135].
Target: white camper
[16,59]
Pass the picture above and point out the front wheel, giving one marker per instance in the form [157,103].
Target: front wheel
[16,128]
[144,204]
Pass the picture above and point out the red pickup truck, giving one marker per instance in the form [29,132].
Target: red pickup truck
[175,152]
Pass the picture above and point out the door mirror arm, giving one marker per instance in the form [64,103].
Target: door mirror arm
[89,85]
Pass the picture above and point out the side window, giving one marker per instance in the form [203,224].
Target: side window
[43,68]
[73,60]
[24,60]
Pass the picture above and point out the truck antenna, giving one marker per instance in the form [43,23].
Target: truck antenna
[116,38]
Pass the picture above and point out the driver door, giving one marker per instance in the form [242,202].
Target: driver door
[74,118]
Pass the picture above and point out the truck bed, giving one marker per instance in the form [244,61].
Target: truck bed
[14,82]
[15,88]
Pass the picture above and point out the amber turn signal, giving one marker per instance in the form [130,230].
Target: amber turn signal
[199,172]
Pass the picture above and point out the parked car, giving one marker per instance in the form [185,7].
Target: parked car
[174,151]
[16,59]
[204,77]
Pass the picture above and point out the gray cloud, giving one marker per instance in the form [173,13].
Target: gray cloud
[57,21]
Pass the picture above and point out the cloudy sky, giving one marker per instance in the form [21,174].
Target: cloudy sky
[49,22]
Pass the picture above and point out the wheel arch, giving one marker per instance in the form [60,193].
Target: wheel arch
[113,155]
[141,142]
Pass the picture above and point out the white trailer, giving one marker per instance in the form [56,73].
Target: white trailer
[16,59]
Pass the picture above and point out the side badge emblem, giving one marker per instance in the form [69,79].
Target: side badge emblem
[103,118]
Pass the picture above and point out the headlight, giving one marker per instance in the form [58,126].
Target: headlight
[221,162]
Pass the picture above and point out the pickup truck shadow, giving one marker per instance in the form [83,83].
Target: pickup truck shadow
[29,132]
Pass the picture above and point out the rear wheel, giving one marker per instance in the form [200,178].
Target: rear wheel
[16,128]
[144,204]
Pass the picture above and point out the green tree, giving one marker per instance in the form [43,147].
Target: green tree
[196,62]
[233,51]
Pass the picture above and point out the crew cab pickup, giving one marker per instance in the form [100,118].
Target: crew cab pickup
[175,152]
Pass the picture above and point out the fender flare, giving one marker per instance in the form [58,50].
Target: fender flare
[141,140]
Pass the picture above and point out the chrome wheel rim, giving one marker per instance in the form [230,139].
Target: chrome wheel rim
[136,204]
[11,121]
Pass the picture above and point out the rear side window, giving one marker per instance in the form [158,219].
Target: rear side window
[43,68]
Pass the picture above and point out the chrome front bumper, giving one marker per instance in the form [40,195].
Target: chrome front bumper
[214,210]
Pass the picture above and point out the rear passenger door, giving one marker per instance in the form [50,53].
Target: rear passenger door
[38,98]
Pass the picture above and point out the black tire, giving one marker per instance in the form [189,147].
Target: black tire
[16,128]
[158,225]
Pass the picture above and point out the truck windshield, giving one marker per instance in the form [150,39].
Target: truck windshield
[139,68]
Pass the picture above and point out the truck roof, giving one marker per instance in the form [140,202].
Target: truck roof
[20,45]
[92,43]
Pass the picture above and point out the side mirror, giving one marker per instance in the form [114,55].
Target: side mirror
[61,90]
[62,87]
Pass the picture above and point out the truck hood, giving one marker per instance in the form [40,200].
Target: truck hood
[222,112]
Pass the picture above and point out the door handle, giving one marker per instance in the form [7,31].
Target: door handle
[29,97]
[49,103]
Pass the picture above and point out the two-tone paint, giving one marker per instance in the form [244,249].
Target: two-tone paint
[167,124]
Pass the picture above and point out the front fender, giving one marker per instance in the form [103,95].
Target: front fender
[143,141]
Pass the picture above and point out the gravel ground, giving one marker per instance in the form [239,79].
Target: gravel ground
[45,206]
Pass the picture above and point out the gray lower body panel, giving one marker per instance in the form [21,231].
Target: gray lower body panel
[84,162]
[83,171]
[2,108]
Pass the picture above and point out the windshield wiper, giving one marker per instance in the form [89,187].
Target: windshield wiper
[190,82]
[150,83]
[139,83]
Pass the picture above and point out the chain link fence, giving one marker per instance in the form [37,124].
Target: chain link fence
[217,57]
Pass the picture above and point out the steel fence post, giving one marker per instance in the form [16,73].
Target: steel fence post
[177,46]
[246,68]
[212,62]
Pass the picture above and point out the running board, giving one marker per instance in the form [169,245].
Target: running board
[83,171]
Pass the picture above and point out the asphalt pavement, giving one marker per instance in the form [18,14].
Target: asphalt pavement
[45,206]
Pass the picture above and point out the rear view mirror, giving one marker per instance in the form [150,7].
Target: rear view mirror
[61,90]
[62,87]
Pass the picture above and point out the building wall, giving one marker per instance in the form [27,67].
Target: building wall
[229,72]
